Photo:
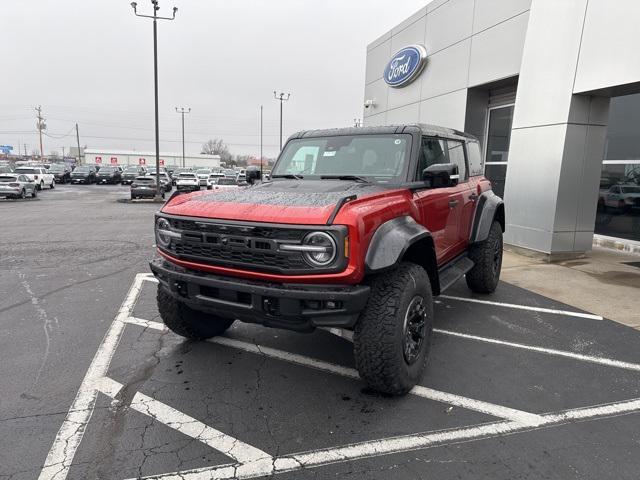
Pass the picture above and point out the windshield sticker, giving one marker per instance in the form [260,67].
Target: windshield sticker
[329,154]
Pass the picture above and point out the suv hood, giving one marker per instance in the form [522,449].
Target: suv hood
[309,202]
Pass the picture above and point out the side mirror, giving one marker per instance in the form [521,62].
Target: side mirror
[441,175]
[253,175]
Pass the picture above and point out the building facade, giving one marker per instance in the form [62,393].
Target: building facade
[132,157]
[551,88]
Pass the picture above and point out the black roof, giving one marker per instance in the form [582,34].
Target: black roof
[420,128]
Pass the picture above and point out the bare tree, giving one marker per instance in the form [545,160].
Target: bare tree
[217,147]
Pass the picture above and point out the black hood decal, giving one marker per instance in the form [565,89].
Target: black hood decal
[293,193]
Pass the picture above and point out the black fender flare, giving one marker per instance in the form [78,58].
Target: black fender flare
[391,241]
[489,207]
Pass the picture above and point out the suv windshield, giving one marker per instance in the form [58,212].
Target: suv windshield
[107,169]
[25,170]
[131,170]
[82,170]
[56,168]
[380,158]
[226,181]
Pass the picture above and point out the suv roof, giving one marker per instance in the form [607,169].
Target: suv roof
[421,128]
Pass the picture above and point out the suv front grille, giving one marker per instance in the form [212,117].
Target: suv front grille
[248,247]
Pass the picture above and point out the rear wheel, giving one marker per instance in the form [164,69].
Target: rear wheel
[41,186]
[487,257]
[393,334]
[187,322]
[53,185]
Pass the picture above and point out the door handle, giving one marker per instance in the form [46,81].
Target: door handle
[473,197]
[453,203]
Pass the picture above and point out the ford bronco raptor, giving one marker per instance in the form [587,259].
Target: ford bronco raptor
[358,229]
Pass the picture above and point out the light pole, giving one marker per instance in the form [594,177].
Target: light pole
[261,141]
[282,97]
[183,111]
[155,18]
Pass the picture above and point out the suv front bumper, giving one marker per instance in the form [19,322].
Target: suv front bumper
[298,307]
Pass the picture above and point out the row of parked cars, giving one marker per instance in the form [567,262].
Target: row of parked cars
[24,181]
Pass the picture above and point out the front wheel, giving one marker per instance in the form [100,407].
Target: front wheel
[23,194]
[53,185]
[41,186]
[187,322]
[393,335]
[487,257]
[34,194]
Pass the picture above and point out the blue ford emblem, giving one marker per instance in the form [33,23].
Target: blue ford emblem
[405,66]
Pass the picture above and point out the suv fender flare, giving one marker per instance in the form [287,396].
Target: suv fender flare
[489,207]
[403,239]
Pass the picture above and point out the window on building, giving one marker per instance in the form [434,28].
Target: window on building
[497,146]
[619,194]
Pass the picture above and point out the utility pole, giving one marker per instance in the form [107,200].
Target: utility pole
[25,150]
[155,18]
[63,154]
[78,162]
[183,111]
[282,98]
[357,122]
[261,141]
[41,126]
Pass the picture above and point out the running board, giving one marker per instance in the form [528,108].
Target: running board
[453,271]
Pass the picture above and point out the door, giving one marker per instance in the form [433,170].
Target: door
[440,209]
[497,141]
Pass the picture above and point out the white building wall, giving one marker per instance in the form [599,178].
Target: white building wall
[468,42]
[130,157]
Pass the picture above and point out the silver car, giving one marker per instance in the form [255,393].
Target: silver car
[17,186]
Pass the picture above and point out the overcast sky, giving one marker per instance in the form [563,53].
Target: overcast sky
[91,61]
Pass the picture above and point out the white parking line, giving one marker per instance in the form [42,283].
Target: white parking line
[567,313]
[405,443]
[60,456]
[183,423]
[549,351]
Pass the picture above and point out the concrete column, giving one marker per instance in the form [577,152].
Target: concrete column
[557,140]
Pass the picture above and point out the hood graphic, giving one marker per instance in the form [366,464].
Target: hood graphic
[308,202]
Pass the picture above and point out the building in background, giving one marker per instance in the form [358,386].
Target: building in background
[551,88]
[132,157]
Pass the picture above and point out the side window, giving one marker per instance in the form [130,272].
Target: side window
[22,178]
[456,155]
[475,159]
[432,151]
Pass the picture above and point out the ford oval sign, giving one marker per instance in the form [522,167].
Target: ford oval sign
[405,66]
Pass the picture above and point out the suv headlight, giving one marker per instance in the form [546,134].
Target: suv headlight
[321,249]
[164,233]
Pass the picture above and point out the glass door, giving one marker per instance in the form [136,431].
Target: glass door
[497,141]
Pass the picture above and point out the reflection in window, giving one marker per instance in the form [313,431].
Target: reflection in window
[623,131]
[619,201]
[499,134]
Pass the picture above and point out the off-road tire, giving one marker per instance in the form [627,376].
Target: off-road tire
[487,257]
[379,333]
[187,322]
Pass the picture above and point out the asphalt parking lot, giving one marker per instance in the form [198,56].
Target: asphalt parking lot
[94,387]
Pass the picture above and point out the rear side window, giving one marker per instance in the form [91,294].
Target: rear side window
[475,159]
[456,155]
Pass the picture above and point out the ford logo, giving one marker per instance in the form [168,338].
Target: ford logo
[405,66]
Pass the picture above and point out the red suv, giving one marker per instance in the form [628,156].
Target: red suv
[358,228]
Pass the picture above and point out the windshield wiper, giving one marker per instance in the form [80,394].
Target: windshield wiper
[355,178]
[288,175]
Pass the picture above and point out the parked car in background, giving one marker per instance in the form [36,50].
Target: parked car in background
[61,173]
[203,176]
[229,173]
[84,174]
[242,176]
[144,186]
[39,175]
[224,183]
[131,172]
[212,177]
[187,182]
[6,169]
[165,179]
[17,186]
[111,174]
[177,171]
[622,196]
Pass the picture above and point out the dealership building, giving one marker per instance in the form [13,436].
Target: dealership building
[551,88]
[133,157]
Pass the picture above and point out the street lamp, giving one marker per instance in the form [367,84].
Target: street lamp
[155,18]
[283,97]
[183,111]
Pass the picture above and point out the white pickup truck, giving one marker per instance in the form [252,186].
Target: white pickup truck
[39,175]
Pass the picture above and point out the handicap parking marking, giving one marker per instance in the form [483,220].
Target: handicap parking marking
[250,461]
